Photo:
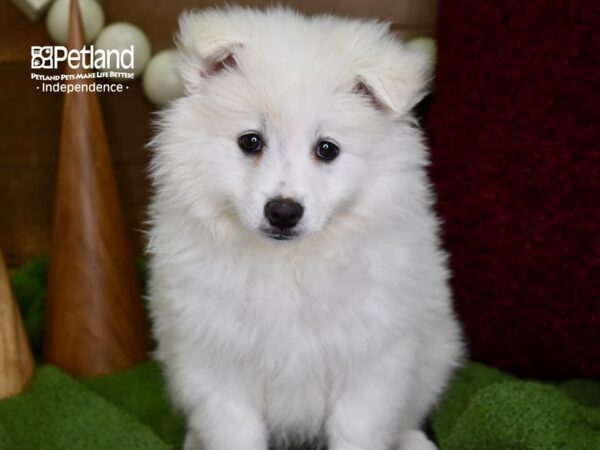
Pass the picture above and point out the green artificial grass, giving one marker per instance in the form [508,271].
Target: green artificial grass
[57,412]
[487,409]
[484,409]
[141,393]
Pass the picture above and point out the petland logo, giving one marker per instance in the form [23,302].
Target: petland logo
[49,57]
[109,63]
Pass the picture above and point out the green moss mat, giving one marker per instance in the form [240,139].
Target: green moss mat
[484,409]
[487,409]
[141,393]
[57,412]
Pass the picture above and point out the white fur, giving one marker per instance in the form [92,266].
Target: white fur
[345,334]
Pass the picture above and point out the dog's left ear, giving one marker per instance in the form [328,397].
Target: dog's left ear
[395,77]
[208,41]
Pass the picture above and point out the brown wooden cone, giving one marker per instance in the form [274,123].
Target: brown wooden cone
[16,360]
[95,321]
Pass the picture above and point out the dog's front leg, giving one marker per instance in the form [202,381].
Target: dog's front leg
[362,418]
[372,410]
[224,420]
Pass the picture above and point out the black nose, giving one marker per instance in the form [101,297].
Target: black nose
[283,212]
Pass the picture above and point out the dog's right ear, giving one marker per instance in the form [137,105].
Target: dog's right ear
[208,42]
[394,78]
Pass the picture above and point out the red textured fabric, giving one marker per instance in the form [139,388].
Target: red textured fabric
[516,163]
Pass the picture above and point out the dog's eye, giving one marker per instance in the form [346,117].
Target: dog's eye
[250,143]
[327,151]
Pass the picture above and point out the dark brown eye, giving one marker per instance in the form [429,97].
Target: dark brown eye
[327,151]
[250,143]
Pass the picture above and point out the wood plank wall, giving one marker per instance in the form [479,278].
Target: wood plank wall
[30,120]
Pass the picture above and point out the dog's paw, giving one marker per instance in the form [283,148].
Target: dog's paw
[416,440]
[191,442]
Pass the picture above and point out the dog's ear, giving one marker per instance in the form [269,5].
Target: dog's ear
[394,77]
[208,42]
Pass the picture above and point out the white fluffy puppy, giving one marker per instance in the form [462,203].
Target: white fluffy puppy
[298,288]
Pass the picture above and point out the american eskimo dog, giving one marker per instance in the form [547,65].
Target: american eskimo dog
[298,287]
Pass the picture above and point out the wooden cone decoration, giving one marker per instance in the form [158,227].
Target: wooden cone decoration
[16,360]
[95,320]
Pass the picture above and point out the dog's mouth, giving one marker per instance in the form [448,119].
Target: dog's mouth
[279,234]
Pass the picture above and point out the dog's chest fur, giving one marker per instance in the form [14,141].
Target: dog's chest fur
[293,327]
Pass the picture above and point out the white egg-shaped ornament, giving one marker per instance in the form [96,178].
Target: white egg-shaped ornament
[161,81]
[127,51]
[57,20]
[426,46]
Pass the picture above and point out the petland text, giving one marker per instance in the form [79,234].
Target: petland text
[50,56]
